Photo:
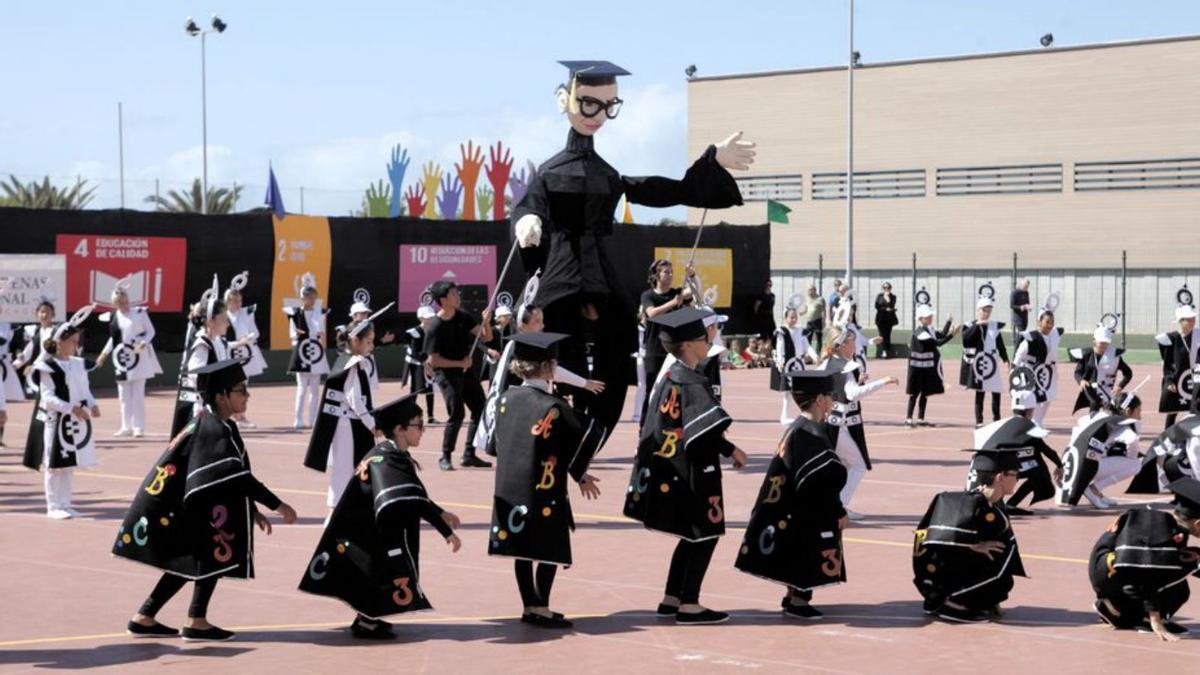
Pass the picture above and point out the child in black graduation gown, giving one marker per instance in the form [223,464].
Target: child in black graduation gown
[675,487]
[964,551]
[540,442]
[369,555]
[794,535]
[1140,565]
[192,515]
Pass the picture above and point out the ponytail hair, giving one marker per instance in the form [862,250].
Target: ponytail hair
[199,314]
[50,345]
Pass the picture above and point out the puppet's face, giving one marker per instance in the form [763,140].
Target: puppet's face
[589,99]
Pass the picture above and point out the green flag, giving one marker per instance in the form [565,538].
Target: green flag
[777,212]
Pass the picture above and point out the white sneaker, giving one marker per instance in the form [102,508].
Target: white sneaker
[72,512]
[137,433]
[122,432]
[58,514]
[1094,496]
[855,515]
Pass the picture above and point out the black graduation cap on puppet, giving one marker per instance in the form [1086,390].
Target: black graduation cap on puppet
[536,346]
[1187,496]
[812,382]
[400,411]
[996,460]
[590,73]
[218,377]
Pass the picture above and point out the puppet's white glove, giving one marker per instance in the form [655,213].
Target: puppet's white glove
[529,230]
[734,153]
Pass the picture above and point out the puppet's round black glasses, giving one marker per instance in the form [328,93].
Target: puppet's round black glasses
[590,107]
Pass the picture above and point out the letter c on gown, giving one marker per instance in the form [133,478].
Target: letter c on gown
[322,560]
[766,540]
[517,511]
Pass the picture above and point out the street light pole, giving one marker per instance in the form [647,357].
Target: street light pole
[204,125]
[850,156]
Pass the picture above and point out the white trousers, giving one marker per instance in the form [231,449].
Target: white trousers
[340,462]
[1113,470]
[640,397]
[58,488]
[785,413]
[847,451]
[132,394]
[1039,413]
[308,385]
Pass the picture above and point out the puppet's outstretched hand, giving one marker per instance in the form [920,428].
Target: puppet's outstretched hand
[734,153]
[529,230]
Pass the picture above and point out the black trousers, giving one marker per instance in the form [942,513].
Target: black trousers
[461,391]
[917,401]
[169,585]
[979,406]
[884,348]
[416,382]
[534,588]
[689,564]
[651,364]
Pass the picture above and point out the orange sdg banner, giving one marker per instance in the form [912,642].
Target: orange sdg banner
[714,266]
[302,247]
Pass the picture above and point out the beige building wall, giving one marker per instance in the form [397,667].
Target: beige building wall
[1129,101]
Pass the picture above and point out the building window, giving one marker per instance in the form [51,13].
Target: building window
[1000,180]
[779,187]
[1138,174]
[870,184]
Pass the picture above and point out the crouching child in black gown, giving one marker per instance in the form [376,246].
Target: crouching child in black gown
[676,487]
[541,442]
[369,556]
[1140,565]
[794,536]
[965,552]
[192,515]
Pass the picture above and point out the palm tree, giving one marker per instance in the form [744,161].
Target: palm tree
[220,200]
[45,195]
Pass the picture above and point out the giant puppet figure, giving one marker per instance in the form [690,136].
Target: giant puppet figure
[567,213]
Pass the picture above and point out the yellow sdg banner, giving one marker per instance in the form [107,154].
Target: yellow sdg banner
[302,248]
[714,266]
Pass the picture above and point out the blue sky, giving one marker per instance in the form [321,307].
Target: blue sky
[324,89]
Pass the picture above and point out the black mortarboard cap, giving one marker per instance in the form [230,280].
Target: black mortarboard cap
[812,382]
[682,325]
[1187,496]
[593,72]
[536,346]
[996,460]
[218,377]
[394,413]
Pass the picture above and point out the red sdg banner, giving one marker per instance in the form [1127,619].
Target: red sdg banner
[95,263]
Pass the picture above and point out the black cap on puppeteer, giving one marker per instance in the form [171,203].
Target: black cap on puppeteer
[394,413]
[593,72]
[536,346]
[996,460]
[682,325]
[218,377]
[1187,496]
[812,382]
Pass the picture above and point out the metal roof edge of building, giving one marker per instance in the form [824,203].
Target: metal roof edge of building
[957,57]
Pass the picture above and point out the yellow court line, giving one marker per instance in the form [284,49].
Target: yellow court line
[612,519]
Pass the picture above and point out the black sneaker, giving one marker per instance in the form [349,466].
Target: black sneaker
[555,621]
[955,615]
[210,634]
[473,462]
[1106,614]
[923,423]
[701,618]
[807,612]
[432,420]
[444,464]
[367,629]
[157,630]
[666,610]
[908,423]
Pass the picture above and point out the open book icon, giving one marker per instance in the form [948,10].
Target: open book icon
[143,287]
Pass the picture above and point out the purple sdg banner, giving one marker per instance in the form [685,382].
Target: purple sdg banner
[472,267]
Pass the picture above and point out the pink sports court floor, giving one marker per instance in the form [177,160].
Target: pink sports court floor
[66,600]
